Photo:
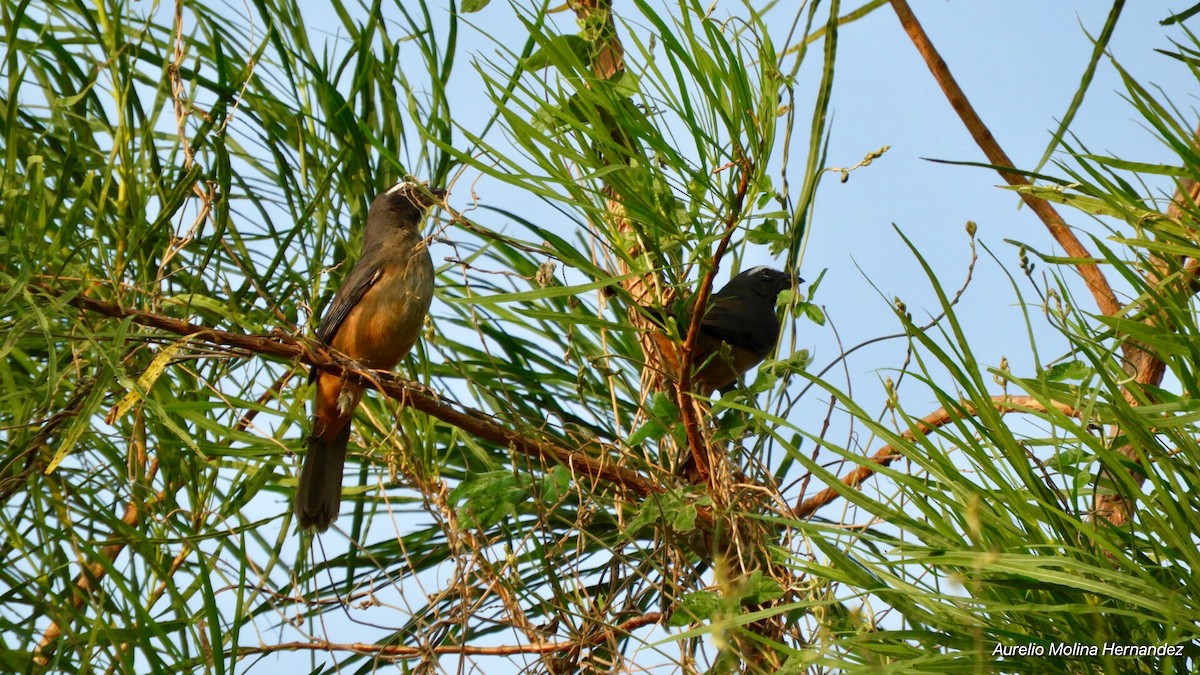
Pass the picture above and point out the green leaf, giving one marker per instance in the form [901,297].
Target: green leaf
[813,312]
[652,429]
[757,588]
[696,607]
[551,53]
[675,508]
[556,484]
[767,233]
[471,6]
[1070,370]
[1090,205]
[486,499]
[663,406]
[683,517]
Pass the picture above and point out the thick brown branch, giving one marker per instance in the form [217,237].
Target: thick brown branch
[608,55]
[940,418]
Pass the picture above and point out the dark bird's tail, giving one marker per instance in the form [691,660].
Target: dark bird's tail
[319,493]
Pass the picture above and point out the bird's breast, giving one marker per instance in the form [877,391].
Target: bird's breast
[388,319]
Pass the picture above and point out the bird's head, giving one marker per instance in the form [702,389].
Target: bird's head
[406,200]
[765,282]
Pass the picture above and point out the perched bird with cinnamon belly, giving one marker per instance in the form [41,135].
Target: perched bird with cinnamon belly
[375,318]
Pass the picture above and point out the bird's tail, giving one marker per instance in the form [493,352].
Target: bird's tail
[319,493]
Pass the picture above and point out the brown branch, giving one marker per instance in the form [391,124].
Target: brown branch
[691,422]
[403,651]
[939,418]
[1106,300]
[11,478]
[608,57]
[1144,366]
[413,394]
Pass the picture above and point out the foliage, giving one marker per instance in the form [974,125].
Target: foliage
[215,166]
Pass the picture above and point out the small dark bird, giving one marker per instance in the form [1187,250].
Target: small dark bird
[375,319]
[742,316]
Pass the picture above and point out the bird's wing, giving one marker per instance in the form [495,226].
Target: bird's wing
[741,322]
[364,275]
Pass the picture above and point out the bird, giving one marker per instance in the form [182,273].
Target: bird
[375,319]
[739,328]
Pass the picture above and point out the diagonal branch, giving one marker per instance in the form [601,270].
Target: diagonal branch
[1106,300]
[409,652]
[1144,366]
[683,387]
[941,417]
[593,464]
